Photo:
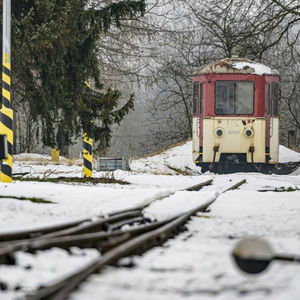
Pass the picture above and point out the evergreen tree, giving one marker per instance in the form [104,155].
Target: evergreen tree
[55,57]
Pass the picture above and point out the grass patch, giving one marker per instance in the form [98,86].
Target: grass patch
[203,216]
[282,189]
[179,171]
[45,161]
[91,180]
[32,199]
[286,189]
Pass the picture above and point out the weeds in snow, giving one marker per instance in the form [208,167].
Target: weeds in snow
[32,199]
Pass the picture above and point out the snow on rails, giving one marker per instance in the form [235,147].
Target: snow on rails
[121,234]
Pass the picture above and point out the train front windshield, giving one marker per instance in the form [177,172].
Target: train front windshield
[234,98]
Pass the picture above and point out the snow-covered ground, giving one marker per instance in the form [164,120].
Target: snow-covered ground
[179,158]
[194,265]
[197,264]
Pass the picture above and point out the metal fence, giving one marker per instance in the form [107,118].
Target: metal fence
[112,164]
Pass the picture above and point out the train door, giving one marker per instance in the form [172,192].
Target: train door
[201,120]
[274,121]
[197,120]
[269,126]
[272,124]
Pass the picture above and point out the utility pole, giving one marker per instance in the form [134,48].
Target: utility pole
[6,112]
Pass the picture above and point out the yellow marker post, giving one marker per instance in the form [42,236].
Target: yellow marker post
[55,154]
[6,112]
[87,156]
[87,151]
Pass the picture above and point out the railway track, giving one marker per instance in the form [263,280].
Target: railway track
[83,233]
[286,168]
[105,234]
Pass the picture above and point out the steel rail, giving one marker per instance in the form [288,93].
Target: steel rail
[103,224]
[93,240]
[51,238]
[59,229]
[8,248]
[141,243]
[26,234]
[33,233]
[119,225]
[61,289]
[96,226]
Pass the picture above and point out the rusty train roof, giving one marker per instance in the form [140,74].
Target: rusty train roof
[236,65]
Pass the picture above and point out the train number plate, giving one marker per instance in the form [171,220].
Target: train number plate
[232,131]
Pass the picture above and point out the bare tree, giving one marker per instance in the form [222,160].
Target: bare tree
[247,28]
[171,106]
[156,56]
[290,7]
[287,57]
[179,36]
[27,129]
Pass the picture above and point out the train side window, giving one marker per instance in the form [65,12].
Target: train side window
[267,98]
[195,98]
[200,98]
[275,97]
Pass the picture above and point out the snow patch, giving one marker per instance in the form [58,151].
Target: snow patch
[179,159]
[178,203]
[287,155]
[172,161]
[259,69]
[33,270]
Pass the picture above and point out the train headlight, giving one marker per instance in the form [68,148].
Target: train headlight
[219,132]
[249,132]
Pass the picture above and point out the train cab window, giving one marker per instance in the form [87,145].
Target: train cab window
[197,98]
[234,97]
[275,97]
[267,98]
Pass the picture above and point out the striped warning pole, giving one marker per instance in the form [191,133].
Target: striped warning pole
[6,112]
[55,154]
[87,156]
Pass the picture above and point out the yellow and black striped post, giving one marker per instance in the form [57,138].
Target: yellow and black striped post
[87,156]
[55,154]
[6,112]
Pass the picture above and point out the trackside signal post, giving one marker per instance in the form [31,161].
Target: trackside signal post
[6,112]
[87,151]
[87,156]
[55,154]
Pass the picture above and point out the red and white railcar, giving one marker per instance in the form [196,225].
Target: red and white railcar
[235,116]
